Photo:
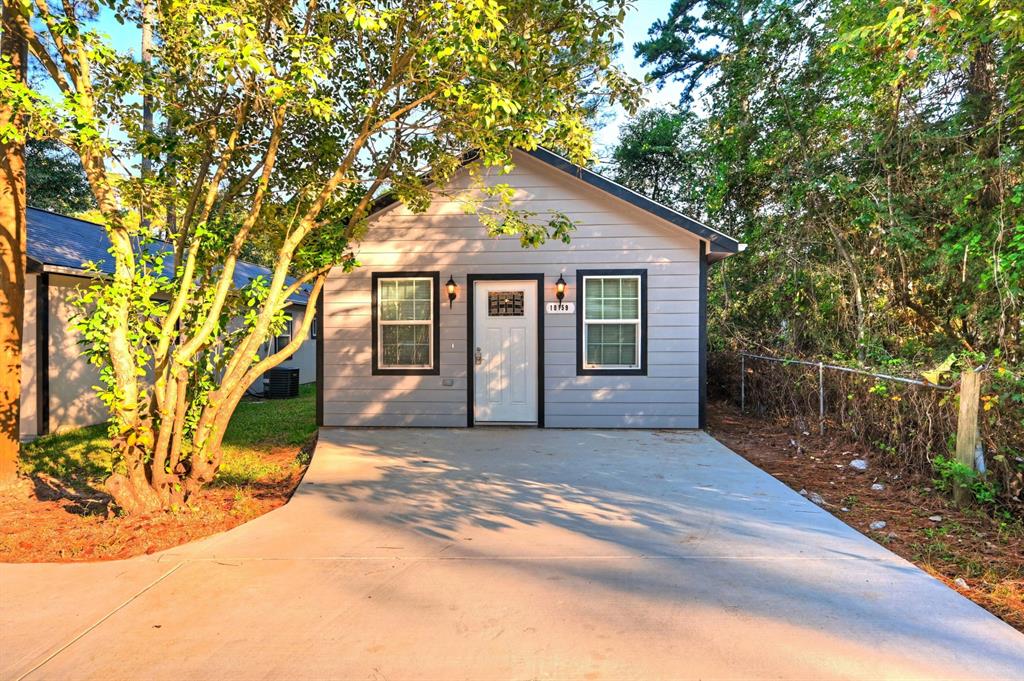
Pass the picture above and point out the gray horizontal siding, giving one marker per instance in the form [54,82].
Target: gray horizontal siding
[391,420]
[401,408]
[650,409]
[680,370]
[624,421]
[611,235]
[616,396]
[492,261]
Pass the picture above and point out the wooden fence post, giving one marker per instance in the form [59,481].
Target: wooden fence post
[967,426]
[821,398]
[743,383]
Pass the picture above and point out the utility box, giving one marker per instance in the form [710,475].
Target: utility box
[282,383]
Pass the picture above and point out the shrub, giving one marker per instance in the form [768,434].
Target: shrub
[912,427]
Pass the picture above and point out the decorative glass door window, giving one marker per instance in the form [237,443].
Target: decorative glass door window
[505,304]
[611,322]
[405,316]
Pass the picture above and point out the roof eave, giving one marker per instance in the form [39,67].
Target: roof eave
[36,267]
[721,243]
[68,271]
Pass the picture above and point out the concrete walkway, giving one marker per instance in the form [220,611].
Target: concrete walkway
[500,554]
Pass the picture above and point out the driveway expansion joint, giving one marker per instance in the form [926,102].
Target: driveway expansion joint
[98,623]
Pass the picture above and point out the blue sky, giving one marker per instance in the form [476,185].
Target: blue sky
[638,20]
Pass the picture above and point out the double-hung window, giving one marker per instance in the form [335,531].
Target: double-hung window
[405,324]
[611,321]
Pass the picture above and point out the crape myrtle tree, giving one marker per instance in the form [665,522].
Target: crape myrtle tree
[277,124]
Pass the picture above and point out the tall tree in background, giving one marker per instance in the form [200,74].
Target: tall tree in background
[655,156]
[278,124]
[724,52]
[871,155]
[55,180]
[13,97]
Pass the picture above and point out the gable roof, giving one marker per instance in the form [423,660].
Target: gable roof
[722,245]
[62,244]
[720,242]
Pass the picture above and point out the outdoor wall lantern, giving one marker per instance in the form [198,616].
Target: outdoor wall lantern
[560,288]
[451,286]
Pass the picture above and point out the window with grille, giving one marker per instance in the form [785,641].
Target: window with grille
[612,321]
[405,319]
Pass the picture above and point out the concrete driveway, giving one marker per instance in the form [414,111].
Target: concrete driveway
[500,554]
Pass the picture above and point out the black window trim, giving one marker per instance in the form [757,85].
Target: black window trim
[289,326]
[435,369]
[581,370]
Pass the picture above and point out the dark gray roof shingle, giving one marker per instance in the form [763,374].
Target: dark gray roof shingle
[62,241]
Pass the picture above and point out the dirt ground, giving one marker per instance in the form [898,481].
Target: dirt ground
[47,521]
[980,556]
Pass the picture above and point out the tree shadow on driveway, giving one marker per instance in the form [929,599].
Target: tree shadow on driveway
[711,530]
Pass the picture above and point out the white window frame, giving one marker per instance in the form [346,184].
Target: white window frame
[381,323]
[638,322]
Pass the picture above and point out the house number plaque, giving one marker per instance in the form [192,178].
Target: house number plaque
[561,308]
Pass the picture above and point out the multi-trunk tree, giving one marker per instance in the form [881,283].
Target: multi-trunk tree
[275,126]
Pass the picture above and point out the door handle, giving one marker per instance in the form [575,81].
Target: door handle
[478,357]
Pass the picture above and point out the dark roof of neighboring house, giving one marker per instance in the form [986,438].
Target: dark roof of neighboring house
[722,245]
[58,242]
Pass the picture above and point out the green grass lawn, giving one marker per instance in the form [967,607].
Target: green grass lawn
[82,457]
[265,424]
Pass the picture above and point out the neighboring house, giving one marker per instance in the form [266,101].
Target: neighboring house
[56,380]
[624,349]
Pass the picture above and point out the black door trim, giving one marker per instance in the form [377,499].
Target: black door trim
[471,340]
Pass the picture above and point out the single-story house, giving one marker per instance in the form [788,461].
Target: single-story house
[443,325]
[56,381]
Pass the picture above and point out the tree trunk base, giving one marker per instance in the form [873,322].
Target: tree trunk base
[131,496]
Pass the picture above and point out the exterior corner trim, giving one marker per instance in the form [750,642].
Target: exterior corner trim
[320,331]
[43,353]
[702,350]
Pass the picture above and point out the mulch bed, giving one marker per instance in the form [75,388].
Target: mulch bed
[46,521]
[973,552]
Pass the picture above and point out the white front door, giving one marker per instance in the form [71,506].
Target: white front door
[505,351]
